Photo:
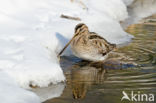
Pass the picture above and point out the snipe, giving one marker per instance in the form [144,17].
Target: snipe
[89,45]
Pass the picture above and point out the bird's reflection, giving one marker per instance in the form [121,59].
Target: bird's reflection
[83,75]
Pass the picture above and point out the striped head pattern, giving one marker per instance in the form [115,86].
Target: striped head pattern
[81,28]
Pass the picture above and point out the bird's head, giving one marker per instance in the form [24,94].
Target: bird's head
[81,27]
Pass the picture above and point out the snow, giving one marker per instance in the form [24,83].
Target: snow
[140,9]
[32,33]
[50,92]
[12,93]
[128,2]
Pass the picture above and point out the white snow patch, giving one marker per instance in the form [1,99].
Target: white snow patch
[138,10]
[49,92]
[128,2]
[10,92]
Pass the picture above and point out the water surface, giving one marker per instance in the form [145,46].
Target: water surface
[130,68]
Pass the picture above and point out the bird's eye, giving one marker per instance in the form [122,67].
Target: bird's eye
[103,54]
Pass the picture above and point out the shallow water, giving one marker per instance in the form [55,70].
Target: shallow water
[130,68]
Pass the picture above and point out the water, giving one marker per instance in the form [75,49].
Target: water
[130,68]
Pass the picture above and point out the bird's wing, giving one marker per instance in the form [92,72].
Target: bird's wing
[94,35]
[99,42]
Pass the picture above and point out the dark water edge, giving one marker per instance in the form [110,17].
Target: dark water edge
[130,68]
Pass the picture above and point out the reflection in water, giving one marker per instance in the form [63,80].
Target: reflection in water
[144,44]
[84,74]
[80,75]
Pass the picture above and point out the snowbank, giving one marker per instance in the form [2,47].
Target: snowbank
[12,93]
[32,33]
[139,9]
[49,92]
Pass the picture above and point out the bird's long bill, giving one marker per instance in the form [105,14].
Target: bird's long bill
[65,47]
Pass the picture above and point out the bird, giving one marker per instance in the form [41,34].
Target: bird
[89,45]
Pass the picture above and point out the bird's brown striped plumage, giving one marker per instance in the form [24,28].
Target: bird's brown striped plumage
[89,45]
